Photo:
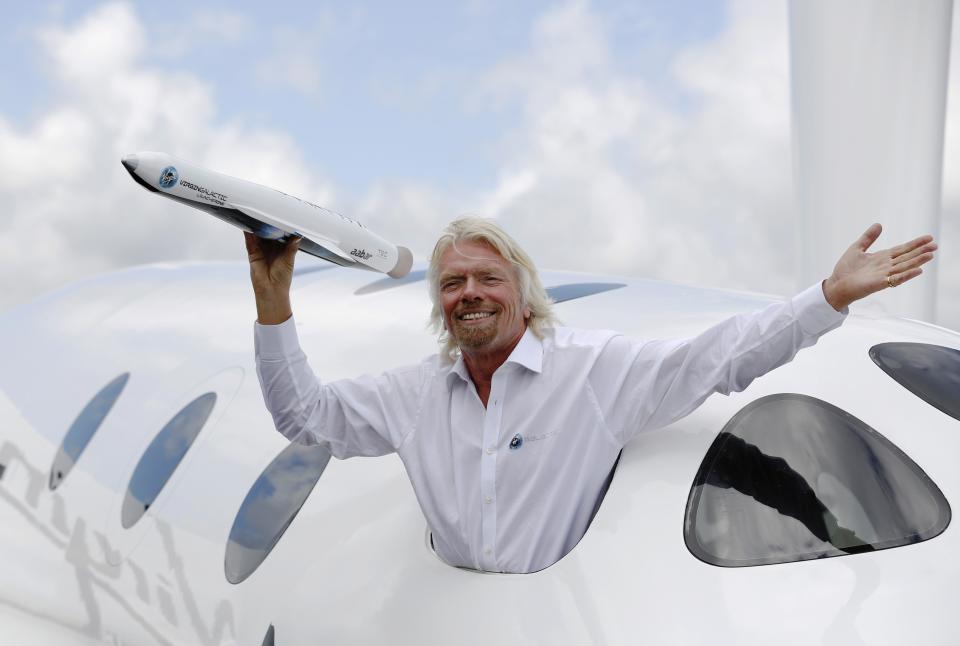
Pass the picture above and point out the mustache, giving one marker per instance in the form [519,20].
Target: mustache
[477,307]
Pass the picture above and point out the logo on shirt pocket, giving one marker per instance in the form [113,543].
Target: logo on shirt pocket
[542,436]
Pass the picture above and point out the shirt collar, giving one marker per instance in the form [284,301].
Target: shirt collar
[527,353]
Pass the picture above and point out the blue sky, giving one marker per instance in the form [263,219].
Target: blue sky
[659,131]
[368,89]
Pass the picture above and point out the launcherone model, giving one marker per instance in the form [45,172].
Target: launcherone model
[268,213]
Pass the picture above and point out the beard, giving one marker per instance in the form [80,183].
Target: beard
[474,335]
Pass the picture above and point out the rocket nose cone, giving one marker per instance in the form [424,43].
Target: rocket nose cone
[130,162]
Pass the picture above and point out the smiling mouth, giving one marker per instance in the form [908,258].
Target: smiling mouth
[474,316]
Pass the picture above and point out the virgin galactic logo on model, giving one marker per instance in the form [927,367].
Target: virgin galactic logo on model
[168,177]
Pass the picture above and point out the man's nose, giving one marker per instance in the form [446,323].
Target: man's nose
[471,289]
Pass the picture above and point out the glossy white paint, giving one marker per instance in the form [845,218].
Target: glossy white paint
[355,566]
[268,212]
[869,93]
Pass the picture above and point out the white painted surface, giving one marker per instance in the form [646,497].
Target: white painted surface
[869,84]
[354,566]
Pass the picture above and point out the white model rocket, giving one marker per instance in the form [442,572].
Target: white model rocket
[269,213]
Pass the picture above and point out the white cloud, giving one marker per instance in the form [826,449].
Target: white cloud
[206,27]
[647,189]
[295,60]
[70,208]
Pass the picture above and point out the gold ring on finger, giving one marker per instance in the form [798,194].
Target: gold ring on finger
[890,282]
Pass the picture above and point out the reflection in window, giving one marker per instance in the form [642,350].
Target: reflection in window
[931,372]
[792,478]
[270,506]
[83,428]
[162,457]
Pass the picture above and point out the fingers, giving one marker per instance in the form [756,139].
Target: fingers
[900,279]
[869,236]
[291,248]
[254,251]
[913,259]
[929,247]
[907,247]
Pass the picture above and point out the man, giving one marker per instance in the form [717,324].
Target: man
[509,434]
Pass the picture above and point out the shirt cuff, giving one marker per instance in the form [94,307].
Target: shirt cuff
[276,341]
[813,311]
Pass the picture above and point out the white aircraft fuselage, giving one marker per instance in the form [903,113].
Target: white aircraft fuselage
[355,564]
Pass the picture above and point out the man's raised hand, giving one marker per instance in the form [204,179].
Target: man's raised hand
[271,272]
[859,273]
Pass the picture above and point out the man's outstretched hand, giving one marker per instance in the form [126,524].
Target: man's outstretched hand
[271,272]
[860,274]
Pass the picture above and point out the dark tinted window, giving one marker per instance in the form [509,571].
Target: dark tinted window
[931,372]
[792,478]
[561,293]
[162,457]
[83,428]
[270,506]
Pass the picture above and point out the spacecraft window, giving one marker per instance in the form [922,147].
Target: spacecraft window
[791,478]
[162,457]
[931,372]
[271,505]
[571,291]
[83,427]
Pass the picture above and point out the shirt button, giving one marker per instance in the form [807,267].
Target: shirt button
[488,551]
[491,450]
[488,500]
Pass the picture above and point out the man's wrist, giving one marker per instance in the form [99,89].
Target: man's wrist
[273,312]
[832,294]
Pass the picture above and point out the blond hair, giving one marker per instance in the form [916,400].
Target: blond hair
[532,294]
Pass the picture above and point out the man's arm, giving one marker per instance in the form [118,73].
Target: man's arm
[651,384]
[365,416]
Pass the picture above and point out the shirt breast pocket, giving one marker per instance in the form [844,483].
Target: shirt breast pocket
[541,441]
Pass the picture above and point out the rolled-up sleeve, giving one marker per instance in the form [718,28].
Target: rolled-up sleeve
[364,416]
[649,384]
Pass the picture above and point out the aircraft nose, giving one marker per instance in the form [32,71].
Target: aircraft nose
[130,162]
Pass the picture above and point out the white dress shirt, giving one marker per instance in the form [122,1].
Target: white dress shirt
[512,487]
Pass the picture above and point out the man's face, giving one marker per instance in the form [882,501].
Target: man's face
[480,298]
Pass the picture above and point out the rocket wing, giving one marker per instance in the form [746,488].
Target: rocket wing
[328,245]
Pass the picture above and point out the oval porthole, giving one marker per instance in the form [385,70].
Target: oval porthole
[162,457]
[271,505]
[931,372]
[84,426]
[791,478]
